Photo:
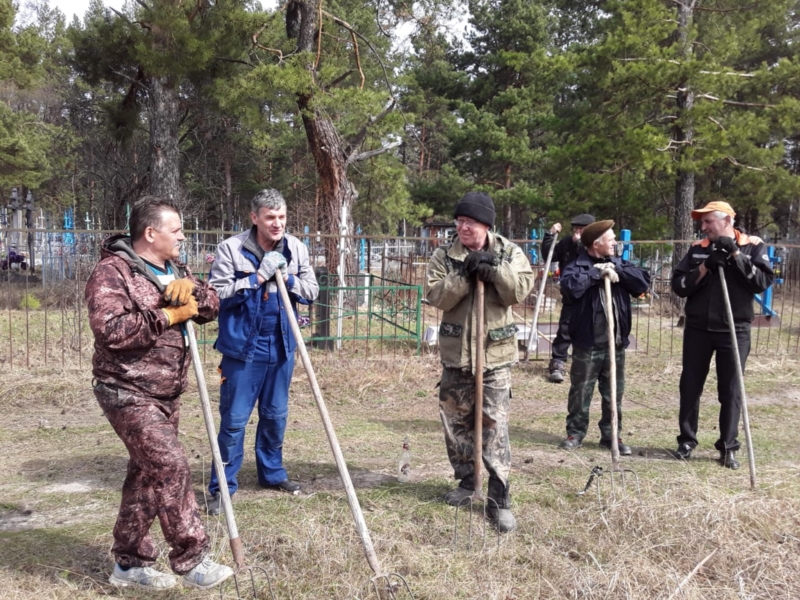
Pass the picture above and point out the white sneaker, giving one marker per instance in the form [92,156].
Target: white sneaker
[207,574]
[143,577]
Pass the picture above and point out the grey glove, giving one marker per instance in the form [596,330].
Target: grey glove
[607,269]
[271,262]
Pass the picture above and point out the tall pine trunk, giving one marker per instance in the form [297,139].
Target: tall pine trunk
[682,137]
[328,149]
[165,159]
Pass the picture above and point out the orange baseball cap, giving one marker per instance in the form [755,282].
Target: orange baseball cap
[698,213]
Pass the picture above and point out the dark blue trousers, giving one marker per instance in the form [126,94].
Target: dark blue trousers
[245,384]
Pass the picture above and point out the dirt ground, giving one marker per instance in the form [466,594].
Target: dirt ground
[62,467]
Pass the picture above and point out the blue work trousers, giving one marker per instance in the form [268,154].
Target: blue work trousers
[244,384]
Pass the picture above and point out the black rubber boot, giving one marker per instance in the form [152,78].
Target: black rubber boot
[464,490]
[499,506]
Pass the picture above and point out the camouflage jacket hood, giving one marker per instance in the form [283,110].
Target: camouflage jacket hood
[134,347]
[453,291]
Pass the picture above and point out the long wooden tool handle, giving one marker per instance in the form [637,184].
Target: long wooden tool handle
[352,499]
[751,458]
[479,360]
[612,366]
[208,417]
[539,300]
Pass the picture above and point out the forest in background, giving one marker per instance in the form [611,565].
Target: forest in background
[635,110]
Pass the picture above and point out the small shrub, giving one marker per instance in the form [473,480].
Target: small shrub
[29,301]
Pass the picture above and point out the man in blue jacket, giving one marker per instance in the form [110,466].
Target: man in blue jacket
[583,282]
[256,340]
[748,271]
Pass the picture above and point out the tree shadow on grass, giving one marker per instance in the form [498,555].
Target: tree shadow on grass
[529,436]
[70,559]
[56,558]
[96,470]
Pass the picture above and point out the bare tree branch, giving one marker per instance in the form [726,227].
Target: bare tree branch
[319,36]
[675,144]
[371,153]
[736,163]
[338,80]
[362,133]
[672,61]
[233,60]
[349,27]
[131,79]
[615,169]
[734,102]
[358,60]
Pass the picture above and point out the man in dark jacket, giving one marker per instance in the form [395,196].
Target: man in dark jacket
[139,299]
[564,253]
[256,340]
[583,283]
[748,271]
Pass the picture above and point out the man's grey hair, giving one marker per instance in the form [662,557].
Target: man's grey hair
[270,199]
[721,214]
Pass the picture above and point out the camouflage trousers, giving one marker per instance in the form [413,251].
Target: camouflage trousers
[158,483]
[590,367]
[456,408]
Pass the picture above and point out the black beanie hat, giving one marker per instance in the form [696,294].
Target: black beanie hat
[582,220]
[478,206]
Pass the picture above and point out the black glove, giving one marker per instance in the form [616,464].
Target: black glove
[725,244]
[717,258]
[485,272]
[478,257]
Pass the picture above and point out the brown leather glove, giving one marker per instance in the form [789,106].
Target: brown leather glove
[179,314]
[178,291]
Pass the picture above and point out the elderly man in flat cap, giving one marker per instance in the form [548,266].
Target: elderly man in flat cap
[565,252]
[582,281]
[478,254]
[748,271]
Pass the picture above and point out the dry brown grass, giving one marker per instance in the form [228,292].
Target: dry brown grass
[62,467]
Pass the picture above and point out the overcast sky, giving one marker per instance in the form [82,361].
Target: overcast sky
[78,7]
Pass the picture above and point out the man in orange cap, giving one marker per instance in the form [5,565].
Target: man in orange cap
[747,272]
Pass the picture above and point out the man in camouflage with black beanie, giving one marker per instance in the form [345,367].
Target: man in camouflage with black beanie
[476,253]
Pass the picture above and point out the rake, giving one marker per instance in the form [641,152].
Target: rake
[384,586]
[596,475]
[477,497]
[739,379]
[617,473]
[246,577]
[535,324]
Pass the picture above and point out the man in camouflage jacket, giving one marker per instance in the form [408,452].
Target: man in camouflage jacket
[476,253]
[139,299]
